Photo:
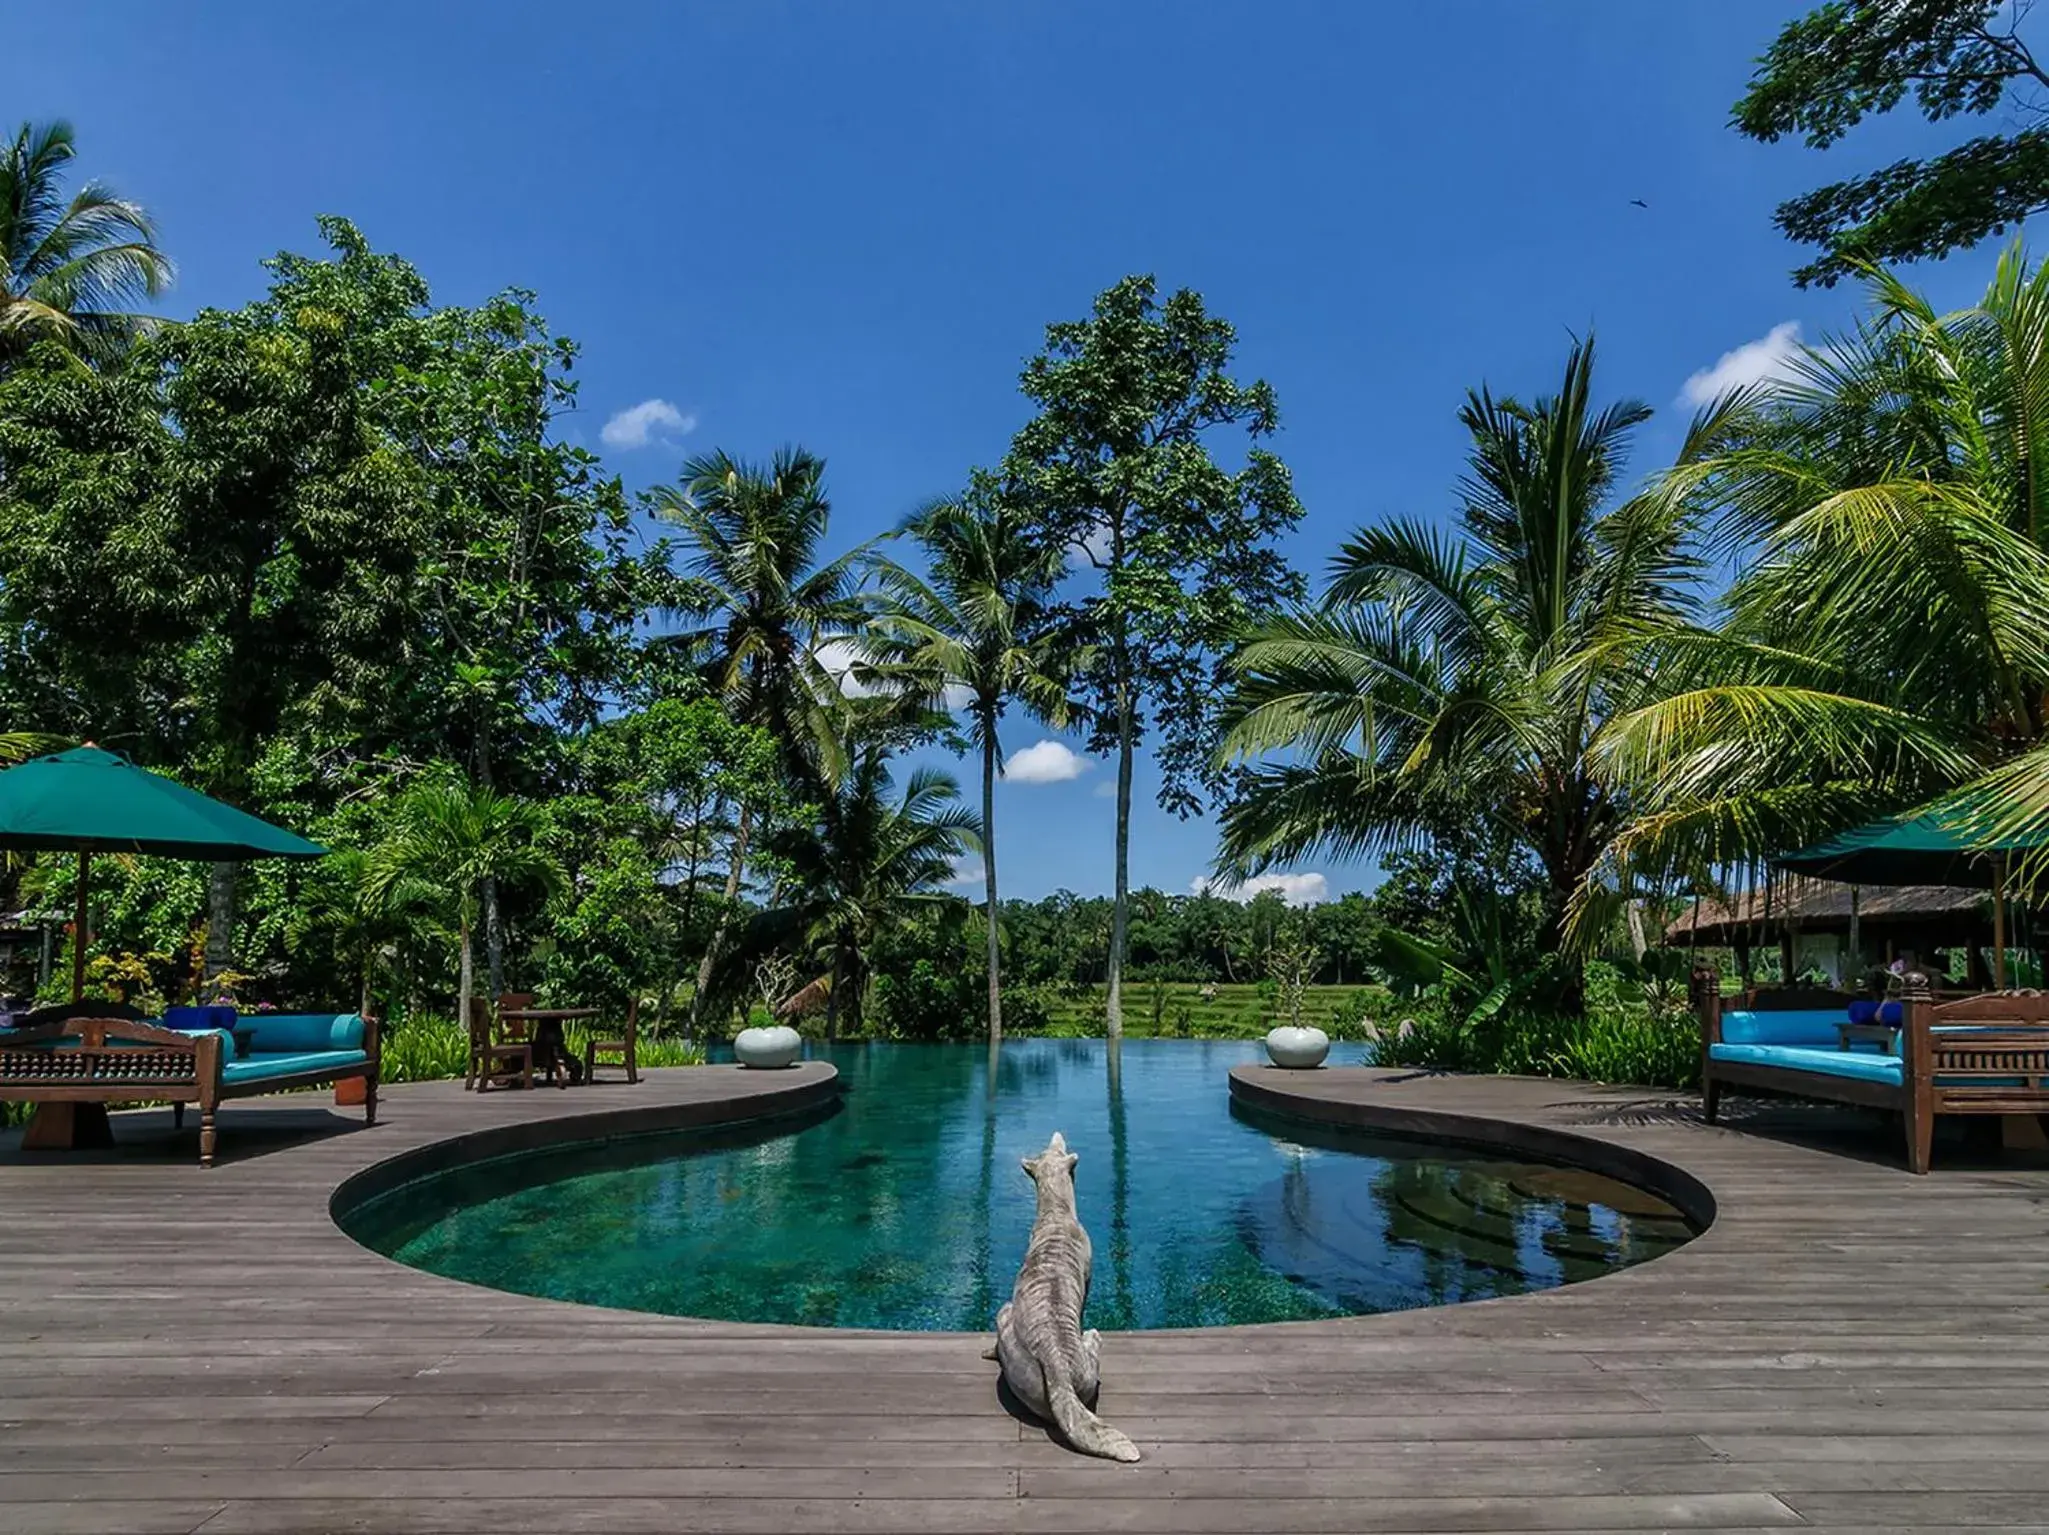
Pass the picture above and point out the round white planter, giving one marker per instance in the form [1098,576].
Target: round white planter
[767,1049]
[1297,1049]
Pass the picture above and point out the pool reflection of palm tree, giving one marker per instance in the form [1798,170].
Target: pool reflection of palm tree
[1120,1187]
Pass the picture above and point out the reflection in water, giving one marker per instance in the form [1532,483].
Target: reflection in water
[905,1206]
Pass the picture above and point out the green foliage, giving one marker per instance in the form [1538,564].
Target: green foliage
[1605,1044]
[1850,59]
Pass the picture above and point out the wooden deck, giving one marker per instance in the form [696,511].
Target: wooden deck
[1848,1347]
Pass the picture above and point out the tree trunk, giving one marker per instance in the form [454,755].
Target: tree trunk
[494,926]
[363,996]
[494,938]
[1120,907]
[718,932]
[832,998]
[465,983]
[989,885]
[220,920]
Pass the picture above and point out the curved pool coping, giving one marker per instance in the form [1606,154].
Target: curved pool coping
[760,1096]
[1308,1095]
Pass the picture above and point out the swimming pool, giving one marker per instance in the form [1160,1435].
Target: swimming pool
[904,1207]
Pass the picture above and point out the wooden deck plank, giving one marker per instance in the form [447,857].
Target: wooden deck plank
[268,1375]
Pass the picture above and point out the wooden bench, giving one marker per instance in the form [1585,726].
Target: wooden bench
[73,1069]
[1985,1054]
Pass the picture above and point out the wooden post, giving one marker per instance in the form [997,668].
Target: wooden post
[1856,934]
[1999,923]
[78,931]
[1917,1061]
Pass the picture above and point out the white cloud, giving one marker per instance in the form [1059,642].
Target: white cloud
[1295,889]
[966,871]
[1045,762]
[1770,356]
[1107,789]
[838,657]
[649,421]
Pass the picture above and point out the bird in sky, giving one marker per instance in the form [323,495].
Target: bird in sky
[1638,202]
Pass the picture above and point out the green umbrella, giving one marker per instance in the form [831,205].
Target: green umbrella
[88,801]
[1945,842]
[1948,841]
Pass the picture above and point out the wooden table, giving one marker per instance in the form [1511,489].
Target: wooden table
[547,1037]
[1848,1034]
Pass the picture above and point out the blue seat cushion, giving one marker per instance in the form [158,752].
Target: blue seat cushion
[1809,1026]
[296,1033]
[199,1017]
[1861,1065]
[280,1063]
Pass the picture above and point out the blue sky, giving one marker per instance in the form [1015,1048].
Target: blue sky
[846,225]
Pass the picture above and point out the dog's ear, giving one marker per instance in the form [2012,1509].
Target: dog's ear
[1031,1166]
[1073,1162]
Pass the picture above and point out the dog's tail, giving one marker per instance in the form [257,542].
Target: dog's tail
[1083,1429]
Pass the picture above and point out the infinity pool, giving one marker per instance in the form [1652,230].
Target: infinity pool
[904,1206]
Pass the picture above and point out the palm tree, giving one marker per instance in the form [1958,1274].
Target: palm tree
[454,837]
[359,915]
[1889,503]
[69,269]
[1450,687]
[867,856]
[766,615]
[977,631]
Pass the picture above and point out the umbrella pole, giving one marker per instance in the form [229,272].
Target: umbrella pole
[78,930]
[1999,926]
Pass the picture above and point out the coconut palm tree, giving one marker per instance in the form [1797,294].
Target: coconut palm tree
[1888,506]
[69,268]
[977,633]
[868,854]
[767,616]
[1451,685]
[454,837]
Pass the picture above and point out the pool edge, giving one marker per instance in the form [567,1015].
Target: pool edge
[814,1083]
[1261,1087]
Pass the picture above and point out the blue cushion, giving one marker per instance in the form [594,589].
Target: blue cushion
[1893,1013]
[1812,1026]
[256,1068]
[296,1033]
[1865,1011]
[194,1018]
[1863,1065]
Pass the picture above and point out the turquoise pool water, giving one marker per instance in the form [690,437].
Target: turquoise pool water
[904,1207]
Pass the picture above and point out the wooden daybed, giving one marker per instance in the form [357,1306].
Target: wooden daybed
[73,1069]
[1986,1054]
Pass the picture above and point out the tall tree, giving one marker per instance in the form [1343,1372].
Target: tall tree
[1450,688]
[766,606]
[455,837]
[1850,59]
[1117,468]
[866,856]
[978,628]
[69,268]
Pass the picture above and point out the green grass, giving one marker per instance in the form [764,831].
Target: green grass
[1178,1010]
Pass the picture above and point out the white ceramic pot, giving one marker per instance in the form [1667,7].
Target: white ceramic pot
[768,1049]
[1297,1049]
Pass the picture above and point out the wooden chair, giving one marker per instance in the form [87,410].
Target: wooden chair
[495,1062]
[524,1031]
[625,1049]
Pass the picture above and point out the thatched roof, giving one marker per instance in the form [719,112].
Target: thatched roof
[1823,906]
